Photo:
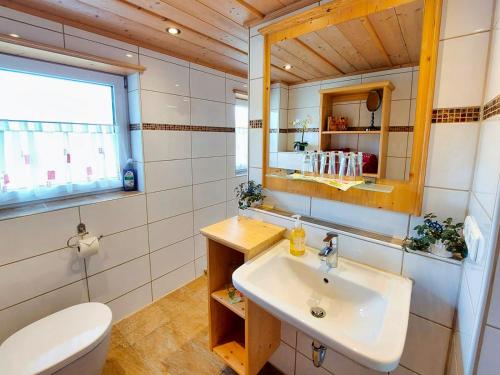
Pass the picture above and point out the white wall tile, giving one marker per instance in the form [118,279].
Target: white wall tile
[255,148]
[134,111]
[46,273]
[311,113]
[200,266]
[69,30]
[376,220]
[435,291]
[118,248]
[206,69]
[452,149]
[230,166]
[230,115]
[168,203]
[494,309]
[172,257]
[256,57]
[208,113]
[209,169]
[489,361]
[306,96]
[115,215]
[29,19]
[445,203]
[401,79]
[115,282]
[400,113]
[400,370]
[161,56]
[382,257]
[29,32]
[255,99]
[232,208]
[488,165]
[255,174]
[298,204]
[160,108]
[162,175]
[493,80]
[209,215]
[397,143]
[304,366]
[425,341]
[232,184]
[206,144]
[32,235]
[99,49]
[461,17]
[230,144]
[166,232]
[207,86]
[173,280]
[395,168]
[19,316]
[463,57]
[284,359]
[164,77]
[166,145]
[240,85]
[130,302]
[209,193]
[200,245]
[288,334]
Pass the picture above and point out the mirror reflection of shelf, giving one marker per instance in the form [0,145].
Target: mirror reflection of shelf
[360,92]
[369,186]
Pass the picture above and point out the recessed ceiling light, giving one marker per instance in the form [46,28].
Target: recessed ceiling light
[173,30]
[129,55]
[15,35]
[287,67]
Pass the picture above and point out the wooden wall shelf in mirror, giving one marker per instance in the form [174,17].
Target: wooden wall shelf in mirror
[319,69]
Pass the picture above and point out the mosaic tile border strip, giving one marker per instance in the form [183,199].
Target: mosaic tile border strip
[492,108]
[461,114]
[175,127]
[408,129]
[255,124]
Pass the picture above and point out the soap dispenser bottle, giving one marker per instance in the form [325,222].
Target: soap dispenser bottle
[297,238]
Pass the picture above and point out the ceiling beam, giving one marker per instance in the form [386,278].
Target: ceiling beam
[140,16]
[331,13]
[170,12]
[251,9]
[281,12]
[306,47]
[378,43]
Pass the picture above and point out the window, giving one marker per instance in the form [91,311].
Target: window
[241,136]
[61,130]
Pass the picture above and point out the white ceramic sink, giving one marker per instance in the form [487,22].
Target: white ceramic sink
[366,309]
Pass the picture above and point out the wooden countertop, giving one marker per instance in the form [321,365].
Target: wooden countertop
[244,234]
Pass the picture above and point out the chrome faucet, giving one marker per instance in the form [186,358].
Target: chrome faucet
[330,251]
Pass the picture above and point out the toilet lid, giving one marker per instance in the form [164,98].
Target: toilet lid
[53,342]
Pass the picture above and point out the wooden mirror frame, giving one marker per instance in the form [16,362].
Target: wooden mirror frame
[406,196]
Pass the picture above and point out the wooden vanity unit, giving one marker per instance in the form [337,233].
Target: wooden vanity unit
[243,334]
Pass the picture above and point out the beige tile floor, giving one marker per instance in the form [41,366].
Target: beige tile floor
[169,336]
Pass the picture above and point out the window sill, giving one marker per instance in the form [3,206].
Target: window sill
[60,204]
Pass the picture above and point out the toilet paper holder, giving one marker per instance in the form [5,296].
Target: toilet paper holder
[81,230]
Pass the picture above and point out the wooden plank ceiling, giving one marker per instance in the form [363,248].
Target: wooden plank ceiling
[383,40]
[214,33]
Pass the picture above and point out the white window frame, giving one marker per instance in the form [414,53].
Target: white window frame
[120,113]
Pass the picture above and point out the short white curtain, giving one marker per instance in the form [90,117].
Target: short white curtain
[44,160]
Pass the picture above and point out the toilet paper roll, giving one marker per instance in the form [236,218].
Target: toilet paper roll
[88,246]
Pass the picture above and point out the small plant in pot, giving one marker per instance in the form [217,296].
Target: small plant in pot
[303,125]
[443,239]
[249,194]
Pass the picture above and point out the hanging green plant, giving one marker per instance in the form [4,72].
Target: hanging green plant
[249,194]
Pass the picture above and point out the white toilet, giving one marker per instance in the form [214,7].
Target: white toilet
[71,341]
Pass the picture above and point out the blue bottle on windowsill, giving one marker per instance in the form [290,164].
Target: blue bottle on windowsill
[129,176]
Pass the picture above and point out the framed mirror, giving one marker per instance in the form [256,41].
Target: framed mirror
[348,93]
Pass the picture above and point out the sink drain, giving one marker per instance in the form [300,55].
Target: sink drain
[318,312]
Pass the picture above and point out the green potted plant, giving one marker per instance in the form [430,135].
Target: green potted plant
[303,125]
[443,239]
[249,194]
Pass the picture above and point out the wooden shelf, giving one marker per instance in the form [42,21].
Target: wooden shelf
[222,297]
[351,132]
[233,354]
[39,51]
